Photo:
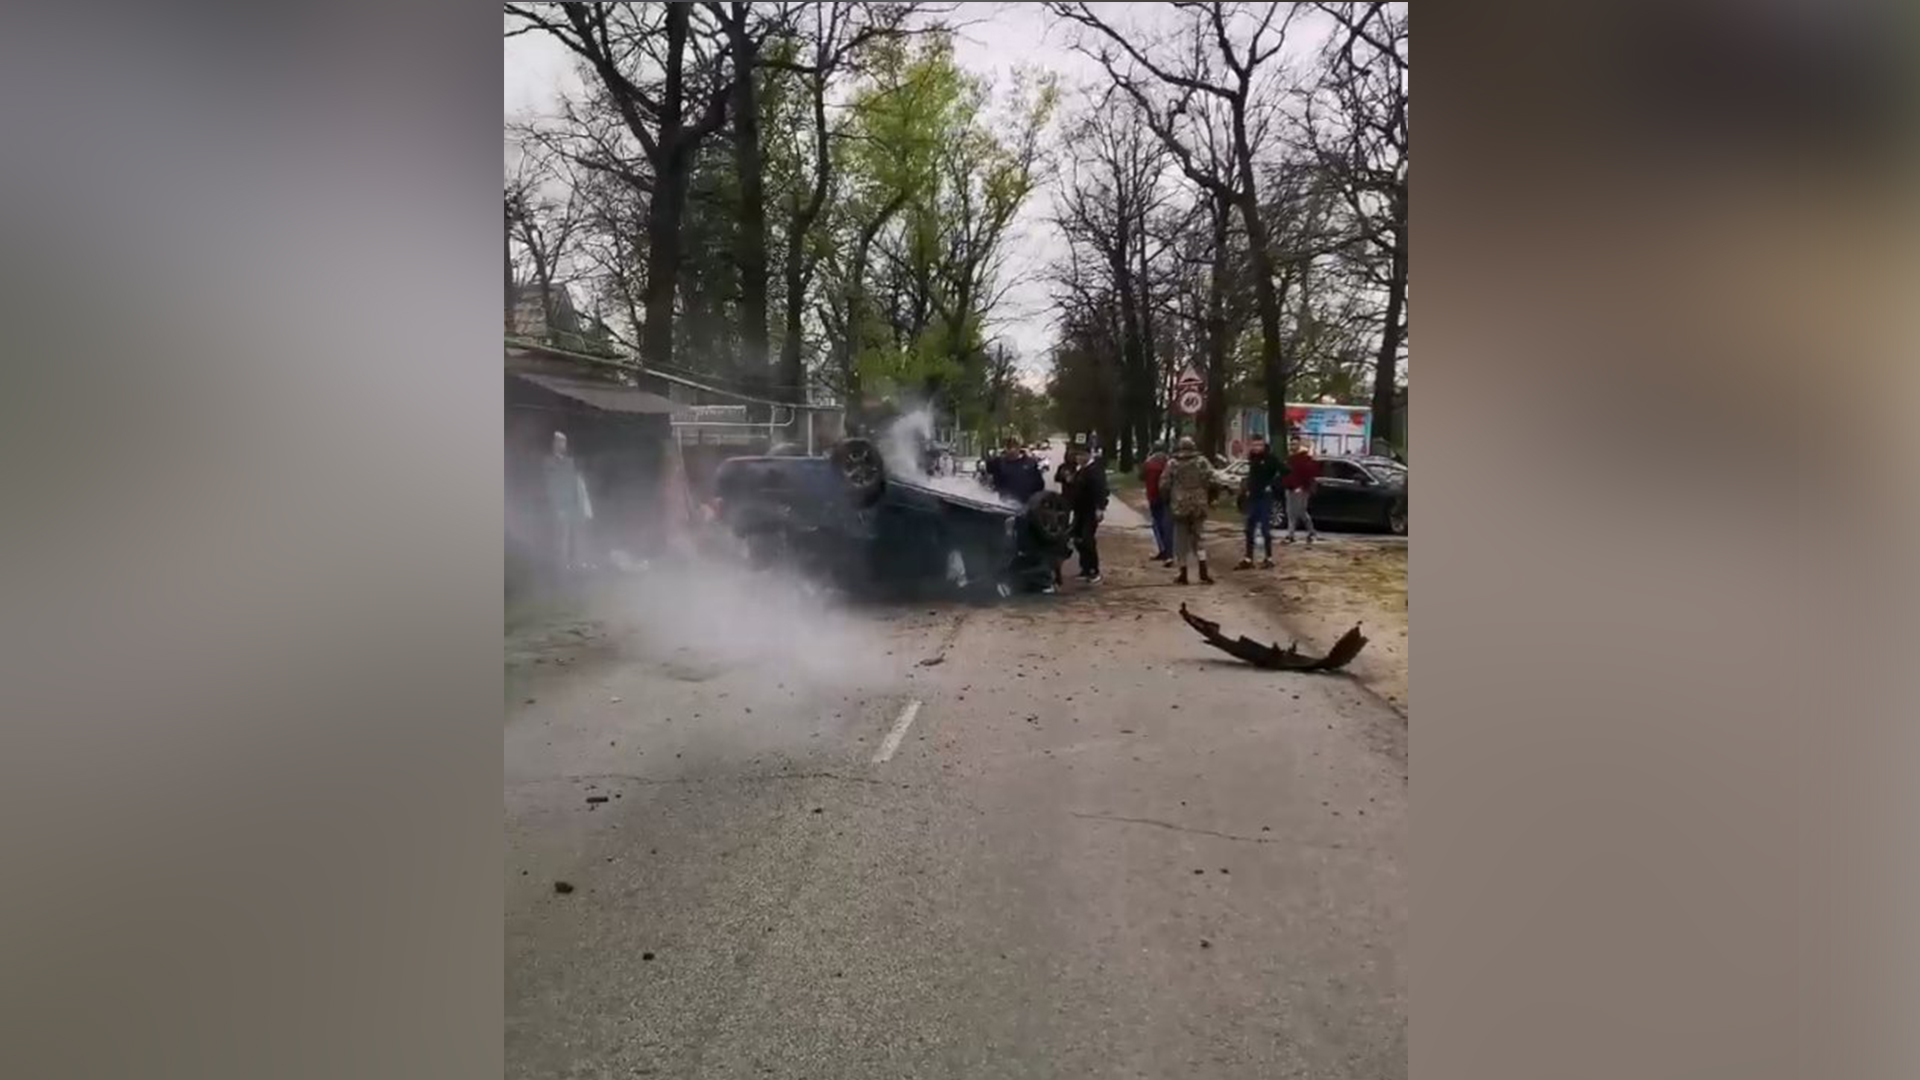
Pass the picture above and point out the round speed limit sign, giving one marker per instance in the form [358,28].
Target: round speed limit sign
[1190,400]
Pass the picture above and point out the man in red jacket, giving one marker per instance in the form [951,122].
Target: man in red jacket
[1302,475]
[1157,508]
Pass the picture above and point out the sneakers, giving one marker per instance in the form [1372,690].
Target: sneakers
[1205,578]
[1245,564]
[1266,564]
[1287,539]
[1182,579]
[1094,578]
[1162,557]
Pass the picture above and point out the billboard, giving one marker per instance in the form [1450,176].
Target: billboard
[1330,429]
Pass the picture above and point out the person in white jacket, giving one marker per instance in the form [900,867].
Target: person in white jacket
[567,499]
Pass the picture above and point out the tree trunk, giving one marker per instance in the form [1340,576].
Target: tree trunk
[664,214]
[1213,418]
[667,209]
[750,239]
[792,366]
[1267,299]
[509,245]
[1149,355]
[1131,353]
[1386,364]
[792,373]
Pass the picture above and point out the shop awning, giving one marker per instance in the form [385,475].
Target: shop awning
[606,396]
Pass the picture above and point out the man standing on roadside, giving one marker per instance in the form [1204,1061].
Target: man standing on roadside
[1263,474]
[1302,476]
[1185,483]
[1151,472]
[1086,491]
[1016,475]
[567,499]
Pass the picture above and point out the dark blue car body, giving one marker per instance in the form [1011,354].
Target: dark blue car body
[895,531]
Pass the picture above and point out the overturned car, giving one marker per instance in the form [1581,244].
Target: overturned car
[846,517]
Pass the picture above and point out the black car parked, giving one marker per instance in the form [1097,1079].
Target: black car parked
[1370,492]
[845,516]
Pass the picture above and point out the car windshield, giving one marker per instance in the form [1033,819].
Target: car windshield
[1387,472]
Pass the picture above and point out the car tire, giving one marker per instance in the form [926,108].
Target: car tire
[1396,519]
[1050,517]
[864,471]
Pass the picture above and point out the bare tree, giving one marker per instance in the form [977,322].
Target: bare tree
[545,217]
[1365,80]
[1111,185]
[639,55]
[1228,58]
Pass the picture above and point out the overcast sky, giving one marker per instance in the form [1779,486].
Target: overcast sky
[997,39]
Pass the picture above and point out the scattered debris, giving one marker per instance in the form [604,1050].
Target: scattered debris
[1273,657]
[933,661]
[563,887]
[818,810]
[596,798]
[613,701]
[1199,871]
[529,701]
[1205,944]
[646,956]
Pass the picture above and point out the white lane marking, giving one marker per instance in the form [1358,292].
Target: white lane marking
[899,732]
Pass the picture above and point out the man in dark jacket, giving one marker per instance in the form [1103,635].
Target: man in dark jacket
[1087,493]
[1015,475]
[1263,473]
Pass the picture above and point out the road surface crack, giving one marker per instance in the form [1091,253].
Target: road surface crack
[1178,828]
[761,778]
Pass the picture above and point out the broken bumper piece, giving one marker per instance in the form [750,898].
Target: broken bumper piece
[1272,656]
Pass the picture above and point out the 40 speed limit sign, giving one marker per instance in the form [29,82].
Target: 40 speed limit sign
[1189,393]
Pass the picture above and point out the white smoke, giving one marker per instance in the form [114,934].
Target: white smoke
[711,612]
[901,445]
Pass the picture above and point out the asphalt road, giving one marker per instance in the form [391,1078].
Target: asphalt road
[1052,837]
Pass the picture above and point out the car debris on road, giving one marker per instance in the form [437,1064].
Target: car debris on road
[1271,656]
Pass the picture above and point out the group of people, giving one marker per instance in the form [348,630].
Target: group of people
[1082,479]
[1179,491]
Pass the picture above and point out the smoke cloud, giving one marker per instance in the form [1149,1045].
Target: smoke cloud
[901,445]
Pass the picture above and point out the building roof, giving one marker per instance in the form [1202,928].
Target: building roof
[601,394]
[529,316]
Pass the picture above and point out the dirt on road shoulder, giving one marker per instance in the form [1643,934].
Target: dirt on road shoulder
[1320,592]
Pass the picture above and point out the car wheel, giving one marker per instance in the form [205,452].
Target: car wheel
[1049,516]
[1397,519]
[863,470]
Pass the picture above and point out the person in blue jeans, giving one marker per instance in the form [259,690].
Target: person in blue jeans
[1151,472]
[1263,474]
